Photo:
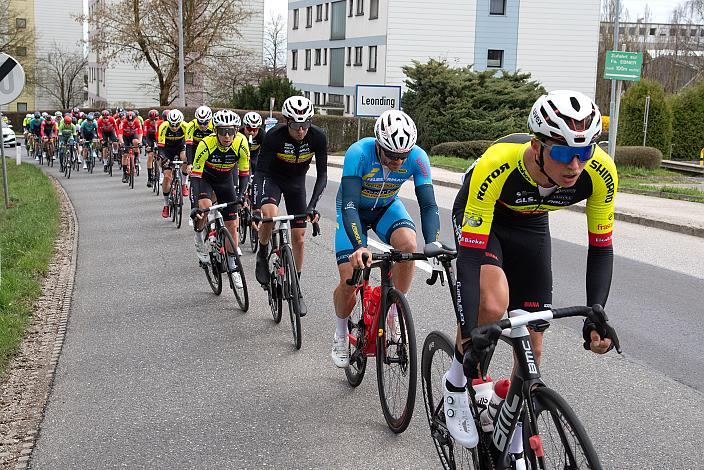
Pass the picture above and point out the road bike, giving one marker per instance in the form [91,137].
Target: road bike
[113,155]
[283,274]
[376,331]
[218,242]
[38,150]
[133,165]
[176,194]
[245,215]
[156,172]
[91,156]
[550,434]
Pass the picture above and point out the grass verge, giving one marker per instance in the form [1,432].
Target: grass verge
[27,233]
[457,164]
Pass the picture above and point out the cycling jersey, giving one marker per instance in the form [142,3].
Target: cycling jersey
[35,126]
[107,126]
[194,136]
[167,137]
[67,130]
[150,128]
[500,204]
[214,165]
[25,123]
[49,129]
[255,144]
[368,197]
[89,129]
[131,130]
[283,158]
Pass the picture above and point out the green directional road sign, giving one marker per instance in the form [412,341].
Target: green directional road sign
[620,65]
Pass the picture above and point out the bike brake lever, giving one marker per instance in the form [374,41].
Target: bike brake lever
[316,229]
[605,330]
[432,279]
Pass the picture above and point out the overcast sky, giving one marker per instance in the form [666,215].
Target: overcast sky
[660,8]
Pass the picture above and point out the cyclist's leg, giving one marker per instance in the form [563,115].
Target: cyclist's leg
[225,192]
[295,195]
[343,296]
[269,203]
[396,228]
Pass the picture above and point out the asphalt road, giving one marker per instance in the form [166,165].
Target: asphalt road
[157,372]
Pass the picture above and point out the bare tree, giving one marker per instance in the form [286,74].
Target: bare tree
[146,31]
[13,31]
[235,68]
[275,45]
[60,75]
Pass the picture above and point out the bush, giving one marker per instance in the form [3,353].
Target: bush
[630,123]
[688,136]
[641,157]
[472,149]
[458,104]
[257,97]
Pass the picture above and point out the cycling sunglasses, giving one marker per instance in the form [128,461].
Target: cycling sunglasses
[225,131]
[203,123]
[251,129]
[395,156]
[296,126]
[565,153]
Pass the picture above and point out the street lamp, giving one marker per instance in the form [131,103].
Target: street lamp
[181,67]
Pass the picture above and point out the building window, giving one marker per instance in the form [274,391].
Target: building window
[306,94]
[294,59]
[188,78]
[693,33]
[338,24]
[358,55]
[20,23]
[316,98]
[632,30]
[351,8]
[307,59]
[295,18]
[497,7]
[21,51]
[319,12]
[309,17]
[372,59]
[337,67]
[327,9]
[652,31]
[335,99]
[495,58]
[360,7]
[325,56]
[641,32]
[21,107]
[349,56]
[347,104]
[317,56]
[701,33]
[373,9]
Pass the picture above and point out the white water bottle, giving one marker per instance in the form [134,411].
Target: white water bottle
[497,399]
[484,390]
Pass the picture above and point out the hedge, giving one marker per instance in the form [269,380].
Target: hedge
[341,131]
[638,156]
[688,133]
[471,149]
[630,122]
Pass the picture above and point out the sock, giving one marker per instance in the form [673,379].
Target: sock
[455,376]
[166,200]
[341,327]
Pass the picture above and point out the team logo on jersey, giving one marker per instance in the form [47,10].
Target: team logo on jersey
[472,220]
[371,173]
[490,179]
[602,171]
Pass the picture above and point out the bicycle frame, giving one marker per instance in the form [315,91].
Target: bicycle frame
[368,347]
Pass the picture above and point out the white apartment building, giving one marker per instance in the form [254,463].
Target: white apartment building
[54,25]
[122,82]
[333,46]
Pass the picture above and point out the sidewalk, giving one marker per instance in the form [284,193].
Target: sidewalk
[667,214]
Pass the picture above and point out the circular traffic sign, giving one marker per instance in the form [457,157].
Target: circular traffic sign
[11,79]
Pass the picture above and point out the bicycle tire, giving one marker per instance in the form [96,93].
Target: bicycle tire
[157,177]
[404,348]
[243,223]
[110,164]
[548,402]
[69,164]
[357,331]
[253,239]
[275,295]
[436,358]
[241,294]
[41,157]
[291,292]
[131,171]
[213,274]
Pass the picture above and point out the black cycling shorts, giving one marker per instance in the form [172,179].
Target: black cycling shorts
[169,154]
[109,135]
[223,190]
[293,190]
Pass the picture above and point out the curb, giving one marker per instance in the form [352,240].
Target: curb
[65,307]
[622,216]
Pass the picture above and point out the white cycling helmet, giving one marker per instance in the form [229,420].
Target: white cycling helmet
[565,115]
[395,131]
[297,108]
[203,114]
[175,117]
[226,118]
[252,119]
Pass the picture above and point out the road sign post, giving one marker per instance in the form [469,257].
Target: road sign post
[11,85]
[619,66]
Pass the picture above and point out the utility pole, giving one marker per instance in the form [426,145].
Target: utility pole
[181,65]
[613,117]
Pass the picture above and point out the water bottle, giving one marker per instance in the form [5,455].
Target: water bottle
[497,399]
[483,391]
[372,296]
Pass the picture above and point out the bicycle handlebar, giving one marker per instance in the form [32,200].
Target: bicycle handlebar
[198,210]
[392,256]
[280,218]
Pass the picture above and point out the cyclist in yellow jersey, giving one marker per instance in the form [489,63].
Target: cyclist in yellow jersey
[199,128]
[218,157]
[500,217]
[171,140]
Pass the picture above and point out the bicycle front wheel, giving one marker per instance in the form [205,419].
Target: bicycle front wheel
[131,170]
[179,209]
[564,441]
[357,333]
[396,362]
[242,226]
[69,164]
[238,288]
[275,294]
[291,292]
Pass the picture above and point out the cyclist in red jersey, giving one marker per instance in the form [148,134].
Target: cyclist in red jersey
[151,124]
[130,135]
[107,130]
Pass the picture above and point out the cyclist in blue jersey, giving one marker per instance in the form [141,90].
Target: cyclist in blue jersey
[374,170]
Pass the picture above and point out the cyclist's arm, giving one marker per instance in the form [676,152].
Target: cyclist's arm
[321,169]
[161,135]
[99,126]
[243,166]
[429,216]
[266,154]
[41,130]
[351,193]
[201,156]
[190,147]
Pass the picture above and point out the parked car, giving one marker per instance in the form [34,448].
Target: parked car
[8,135]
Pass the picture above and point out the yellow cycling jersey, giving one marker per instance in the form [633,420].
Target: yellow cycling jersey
[216,161]
[196,134]
[499,179]
[166,137]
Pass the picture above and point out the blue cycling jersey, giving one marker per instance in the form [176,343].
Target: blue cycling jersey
[89,128]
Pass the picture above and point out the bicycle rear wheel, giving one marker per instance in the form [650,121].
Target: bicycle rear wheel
[69,163]
[438,351]
[564,440]
[291,292]
[243,223]
[396,364]
[130,170]
[110,163]
[179,209]
[357,333]
[157,176]
[241,293]
[212,272]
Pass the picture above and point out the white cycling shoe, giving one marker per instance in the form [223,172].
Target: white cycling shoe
[341,351]
[458,417]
